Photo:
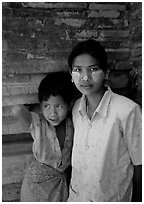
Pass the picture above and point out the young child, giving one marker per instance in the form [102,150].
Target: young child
[47,177]
[106,156]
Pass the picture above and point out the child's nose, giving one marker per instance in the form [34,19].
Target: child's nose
[53,111]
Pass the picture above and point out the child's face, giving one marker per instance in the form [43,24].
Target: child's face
[87,75]
[55,109]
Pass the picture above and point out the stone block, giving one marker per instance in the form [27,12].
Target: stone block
[12,125]
[15,79]
[34,66]
[87,34]
[124,65]
[107,6]
[48,5]
[13,168]
[19,99]
[71,22]
[115,34]
[104,14]
[19,90]
[11,192]
[7,111]
[36,78]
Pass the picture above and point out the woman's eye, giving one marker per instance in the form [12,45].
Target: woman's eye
[94,69]
[76,69]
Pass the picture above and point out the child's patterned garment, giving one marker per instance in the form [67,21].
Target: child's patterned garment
[42,183]
[45,179]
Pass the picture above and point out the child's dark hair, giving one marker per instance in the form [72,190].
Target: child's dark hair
[91,47]
[56,83]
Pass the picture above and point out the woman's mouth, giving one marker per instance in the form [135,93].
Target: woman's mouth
[86,86]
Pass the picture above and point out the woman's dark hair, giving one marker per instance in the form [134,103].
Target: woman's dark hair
[56,83]
[91,47]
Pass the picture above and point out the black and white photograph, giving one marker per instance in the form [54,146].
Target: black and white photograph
[71,101]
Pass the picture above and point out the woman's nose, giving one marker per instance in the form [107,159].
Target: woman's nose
[85,76]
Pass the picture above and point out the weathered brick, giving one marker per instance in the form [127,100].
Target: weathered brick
[5,4]
[70,22]
[124,65]
[61,5]
[108,23]
[11,125]
[11,192]
[107,6]
[17,149]
[115,33]
[137,34]
[136,52]
[71,14]
[118,56]
[16,138]
[118,81]
[36,79]
[136,45]
[4,45]
[104,14]
[120,50]
[13,79]
[20,99]
[34,66]
[7,111]
[21,89]
[6,10]
[87,34]
[135,6]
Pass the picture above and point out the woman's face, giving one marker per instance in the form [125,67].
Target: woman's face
[87,75]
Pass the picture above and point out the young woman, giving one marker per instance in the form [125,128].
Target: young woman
[106,156]
[47,177]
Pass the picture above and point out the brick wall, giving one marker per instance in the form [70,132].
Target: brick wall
[37,38]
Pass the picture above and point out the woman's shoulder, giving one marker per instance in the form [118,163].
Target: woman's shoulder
[76,105]
[123,104]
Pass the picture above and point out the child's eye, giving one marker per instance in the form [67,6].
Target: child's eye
[47,106]
[60,106]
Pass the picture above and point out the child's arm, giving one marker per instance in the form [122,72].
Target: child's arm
[21,112]
[137,184]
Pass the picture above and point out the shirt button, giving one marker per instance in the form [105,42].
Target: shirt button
[90,125]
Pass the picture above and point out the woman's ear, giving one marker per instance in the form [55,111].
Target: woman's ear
[106,84]
[71,105]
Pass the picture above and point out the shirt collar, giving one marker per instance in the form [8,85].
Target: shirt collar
[103,106]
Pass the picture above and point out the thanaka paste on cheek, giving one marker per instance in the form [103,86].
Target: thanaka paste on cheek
[97,76]
[76,77]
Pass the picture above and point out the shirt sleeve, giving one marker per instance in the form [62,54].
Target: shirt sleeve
[35,125]
[133,135]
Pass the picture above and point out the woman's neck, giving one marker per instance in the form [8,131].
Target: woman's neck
[93,101]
